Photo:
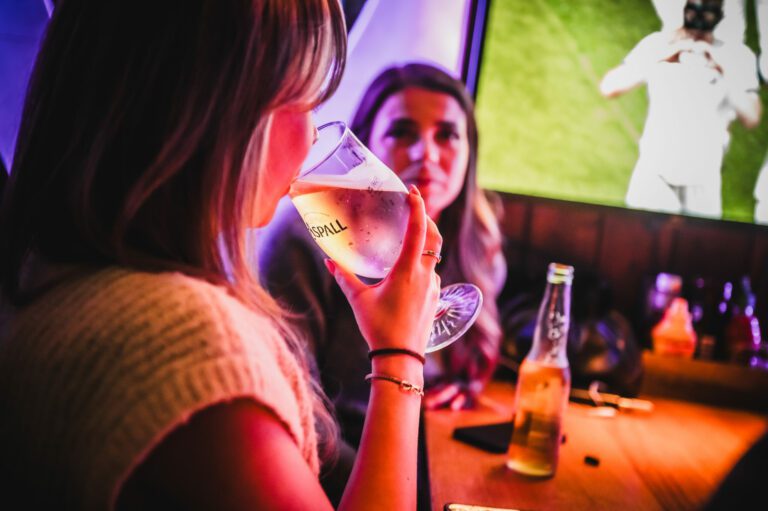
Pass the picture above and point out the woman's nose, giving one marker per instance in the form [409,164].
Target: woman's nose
[423,150]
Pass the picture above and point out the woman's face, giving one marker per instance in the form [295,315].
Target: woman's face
[290,134]
[422,136]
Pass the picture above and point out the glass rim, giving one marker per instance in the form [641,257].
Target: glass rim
[306,170]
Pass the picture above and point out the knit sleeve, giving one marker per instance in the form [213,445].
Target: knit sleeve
[204,348]
[110,366]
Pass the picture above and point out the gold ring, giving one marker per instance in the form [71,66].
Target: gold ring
[432,253]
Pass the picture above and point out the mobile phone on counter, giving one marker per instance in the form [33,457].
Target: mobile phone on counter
[490,437]
[470,507]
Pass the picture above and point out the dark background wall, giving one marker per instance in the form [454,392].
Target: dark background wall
[628,248]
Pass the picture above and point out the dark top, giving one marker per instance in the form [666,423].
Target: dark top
[3,175]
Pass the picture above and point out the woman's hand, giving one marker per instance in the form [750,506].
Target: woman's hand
[398,311]
[454,395]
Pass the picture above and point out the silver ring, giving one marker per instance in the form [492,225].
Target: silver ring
[432,253]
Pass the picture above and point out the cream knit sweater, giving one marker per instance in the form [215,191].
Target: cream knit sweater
[95,372]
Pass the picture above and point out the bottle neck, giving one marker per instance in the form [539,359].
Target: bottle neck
[550,338]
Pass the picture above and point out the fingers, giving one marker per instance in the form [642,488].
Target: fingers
[433,244]
[452,396]
[458,402]
[422,242]
[415,234]
[348,282]
[440,397]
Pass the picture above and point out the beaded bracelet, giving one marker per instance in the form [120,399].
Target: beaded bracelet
[396,351]
[404,385]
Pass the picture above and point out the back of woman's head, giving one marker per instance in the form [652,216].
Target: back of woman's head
[144,125]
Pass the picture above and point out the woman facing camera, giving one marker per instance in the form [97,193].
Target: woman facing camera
[142,366]
[420,122]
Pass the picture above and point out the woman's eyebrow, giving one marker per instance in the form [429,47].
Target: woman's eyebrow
[403,121]
[446,124]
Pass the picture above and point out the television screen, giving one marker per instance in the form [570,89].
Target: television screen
[546,130]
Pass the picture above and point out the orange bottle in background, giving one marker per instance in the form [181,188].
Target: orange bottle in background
[674,334]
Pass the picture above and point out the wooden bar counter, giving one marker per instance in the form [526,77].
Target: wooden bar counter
[671,458]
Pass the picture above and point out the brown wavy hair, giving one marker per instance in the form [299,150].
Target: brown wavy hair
[144,129]
[469,225]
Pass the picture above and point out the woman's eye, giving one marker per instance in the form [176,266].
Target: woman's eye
[399,133]
[447,135]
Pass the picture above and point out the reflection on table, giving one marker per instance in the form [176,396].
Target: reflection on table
[669,459]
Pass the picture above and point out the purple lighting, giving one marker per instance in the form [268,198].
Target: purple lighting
[21,26]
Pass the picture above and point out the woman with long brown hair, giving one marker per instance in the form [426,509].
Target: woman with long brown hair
[419,121]
[142,366]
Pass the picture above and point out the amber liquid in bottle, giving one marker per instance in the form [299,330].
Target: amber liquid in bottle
[544,383]
[542,397]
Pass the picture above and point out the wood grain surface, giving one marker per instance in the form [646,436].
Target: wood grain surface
[670,459]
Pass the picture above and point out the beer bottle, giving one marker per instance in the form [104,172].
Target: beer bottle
[700,295]
[742,333]
[666,287]
[674,335]
[544,382]
[721,319]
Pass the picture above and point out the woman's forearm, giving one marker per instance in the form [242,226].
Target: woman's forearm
[384,475]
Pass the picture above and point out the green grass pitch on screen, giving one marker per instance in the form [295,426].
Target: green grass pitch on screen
[545,130]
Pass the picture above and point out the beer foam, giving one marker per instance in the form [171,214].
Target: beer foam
[366,176]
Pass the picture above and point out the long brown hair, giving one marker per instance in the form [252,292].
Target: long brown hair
[469,225]
[143,132]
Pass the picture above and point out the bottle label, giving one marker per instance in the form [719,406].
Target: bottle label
[556,325]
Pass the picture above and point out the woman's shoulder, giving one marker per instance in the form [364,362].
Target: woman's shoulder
[152,348]
[119,288]
[129,304]
[151,326]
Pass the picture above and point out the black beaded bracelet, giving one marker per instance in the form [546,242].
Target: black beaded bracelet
[396,351]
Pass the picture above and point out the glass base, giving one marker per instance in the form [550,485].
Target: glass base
[457,310]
